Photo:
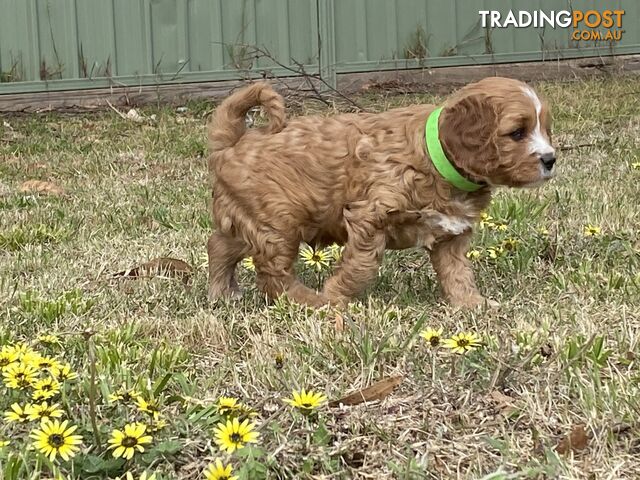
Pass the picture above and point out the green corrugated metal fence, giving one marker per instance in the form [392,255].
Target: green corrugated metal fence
[67,44]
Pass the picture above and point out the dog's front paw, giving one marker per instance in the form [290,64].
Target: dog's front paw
[216,293]
[477,301]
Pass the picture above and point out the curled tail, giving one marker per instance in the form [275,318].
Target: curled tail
[228,123]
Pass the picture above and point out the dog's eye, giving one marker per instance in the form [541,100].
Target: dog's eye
[517,134]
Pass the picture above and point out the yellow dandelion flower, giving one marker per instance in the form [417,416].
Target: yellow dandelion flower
[4,443]
[473,254]
[43,411]
[45,388]
[17,413]
[125,442]
[151,407]
[543,231]
[501,227]
[63,372]
[19,376]
[635,165]
[432,336]
[7,357]
[55,438]
[462,342]
[233,435]
[248,264]
[495,252]
[219,471]
[592,230]
[312,257]
[306,401]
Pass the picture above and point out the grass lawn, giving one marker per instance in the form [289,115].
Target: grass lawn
[552,392]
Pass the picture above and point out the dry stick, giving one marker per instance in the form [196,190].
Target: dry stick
[257,53]
[505,369]
[580,145]
[92,387]
[122,115]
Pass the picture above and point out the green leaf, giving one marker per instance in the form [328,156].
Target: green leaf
[321,436]
[159,386]
[168,447]
[250,452]
[96,464]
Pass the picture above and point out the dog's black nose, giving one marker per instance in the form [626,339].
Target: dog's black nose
[548,160]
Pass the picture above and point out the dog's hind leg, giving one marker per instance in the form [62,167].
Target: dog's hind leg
[275,274]
[362,255]
[224,253]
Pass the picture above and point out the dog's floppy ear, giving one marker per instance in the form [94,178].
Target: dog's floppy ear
[468,130]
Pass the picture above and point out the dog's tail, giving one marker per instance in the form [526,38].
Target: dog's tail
[228,122]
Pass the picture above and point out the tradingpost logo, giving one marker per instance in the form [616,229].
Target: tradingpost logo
[586,24]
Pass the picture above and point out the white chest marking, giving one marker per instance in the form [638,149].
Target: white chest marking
[538,144]
[453,225]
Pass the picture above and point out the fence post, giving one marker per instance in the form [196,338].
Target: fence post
[327,41]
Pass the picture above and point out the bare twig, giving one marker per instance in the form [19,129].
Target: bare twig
[564,148]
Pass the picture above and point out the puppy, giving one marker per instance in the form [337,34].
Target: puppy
[369,182]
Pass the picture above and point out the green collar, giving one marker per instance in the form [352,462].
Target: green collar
[440,160]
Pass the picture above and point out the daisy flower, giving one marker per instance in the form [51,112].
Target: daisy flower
[17,413]
[227,405]
[233,435]
[219,471]
[462,342]
[63,372]
[157,423]
[473,254]
[486,221]
[44,411]
[45,388]
[306,401]
[317,259]
[55,438]
[45,363]
[335,251]
[19,375]
[510,244]
[22,349]
[125,442]
[592,230]
[48,340]
[7,357]
[124,395]
[151,407]
[248,264]
[432,336]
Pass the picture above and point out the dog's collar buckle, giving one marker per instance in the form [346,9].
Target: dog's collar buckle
[439,158]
